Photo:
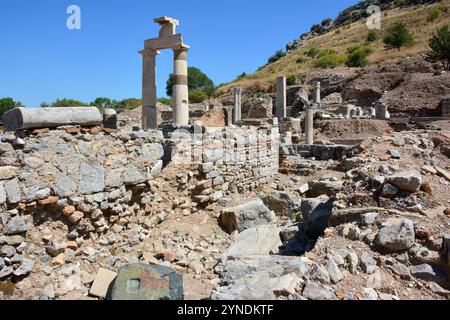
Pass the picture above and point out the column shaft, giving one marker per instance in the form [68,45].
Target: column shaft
[281,97]
[180,88]
[309,126]
[150,114]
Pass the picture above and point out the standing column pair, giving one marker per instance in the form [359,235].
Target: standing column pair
[151,117]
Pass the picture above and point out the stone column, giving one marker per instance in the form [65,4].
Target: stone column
[309,126]
[281,97]
[180,99]
[237,104]
[318,99]
[150,113]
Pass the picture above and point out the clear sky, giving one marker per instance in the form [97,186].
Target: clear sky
[41,59]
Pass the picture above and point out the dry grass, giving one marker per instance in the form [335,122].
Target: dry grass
[356,33]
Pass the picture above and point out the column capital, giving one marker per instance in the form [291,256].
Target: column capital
[181,48]
[149,52]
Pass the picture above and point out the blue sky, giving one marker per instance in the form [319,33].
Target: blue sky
[41,60]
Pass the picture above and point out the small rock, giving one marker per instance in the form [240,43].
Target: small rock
[25,268]
[317,291]
[334,272]
[424,272]
[16,225]
[368,263]
[369,218]
[7,251]
[320,274]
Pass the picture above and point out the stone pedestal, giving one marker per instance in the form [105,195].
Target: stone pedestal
[109,118]
[281,98]
[180,87]
[309,126]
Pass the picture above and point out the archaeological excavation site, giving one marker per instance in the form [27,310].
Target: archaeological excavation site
[330,183]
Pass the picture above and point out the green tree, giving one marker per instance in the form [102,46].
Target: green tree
[165,101]
[398,36]
[67,103]
[290,80]
[103,103]
[129,104]
[197,80]
[7,104]
[277,56]
[440,44]
[197,96]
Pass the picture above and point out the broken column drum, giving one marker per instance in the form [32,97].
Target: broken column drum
[34,118]
[168,39]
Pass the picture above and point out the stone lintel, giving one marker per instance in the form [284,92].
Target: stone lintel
[149,52]
[169,42]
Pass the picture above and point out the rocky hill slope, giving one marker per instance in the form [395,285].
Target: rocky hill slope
[406,80]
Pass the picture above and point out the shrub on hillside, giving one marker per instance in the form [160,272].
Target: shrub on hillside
[312,52]
[290,80]
[373,36]
[434,15]
[398,36]
[277,56]
[440,44]
[331,60]
[59,103]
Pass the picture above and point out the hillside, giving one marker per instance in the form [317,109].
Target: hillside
[342,33]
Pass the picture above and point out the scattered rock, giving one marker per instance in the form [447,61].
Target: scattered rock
[250,214]
[316,291]
[408,181]
[397,236]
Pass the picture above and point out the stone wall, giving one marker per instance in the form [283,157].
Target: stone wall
[229,159]
[79,171]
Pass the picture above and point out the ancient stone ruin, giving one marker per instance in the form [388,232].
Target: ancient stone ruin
[291,196]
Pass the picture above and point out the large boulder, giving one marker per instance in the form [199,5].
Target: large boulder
[397,235]
[316,214]
[248,215]
[282,202]
[329,188]
[407,181]
[261,240]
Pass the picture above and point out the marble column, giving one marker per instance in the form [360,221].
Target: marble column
[150,114]
[180,99]
[281,98]
[309,126]
[237,104]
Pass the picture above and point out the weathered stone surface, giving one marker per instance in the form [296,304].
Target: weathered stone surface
[8,172]
[250,214]
[33,162]
[334,272]
[152,152]
[317,291]
[329,188]
[282,202]
[102,282]
[368,263]
[443,173]
[316,213]
[255,241]
[146,282]
[424,272]
[25,268]
[408,181]
[397,236]
[65,187]
[92,178]
[12,189]
[17,225]
[33,118]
